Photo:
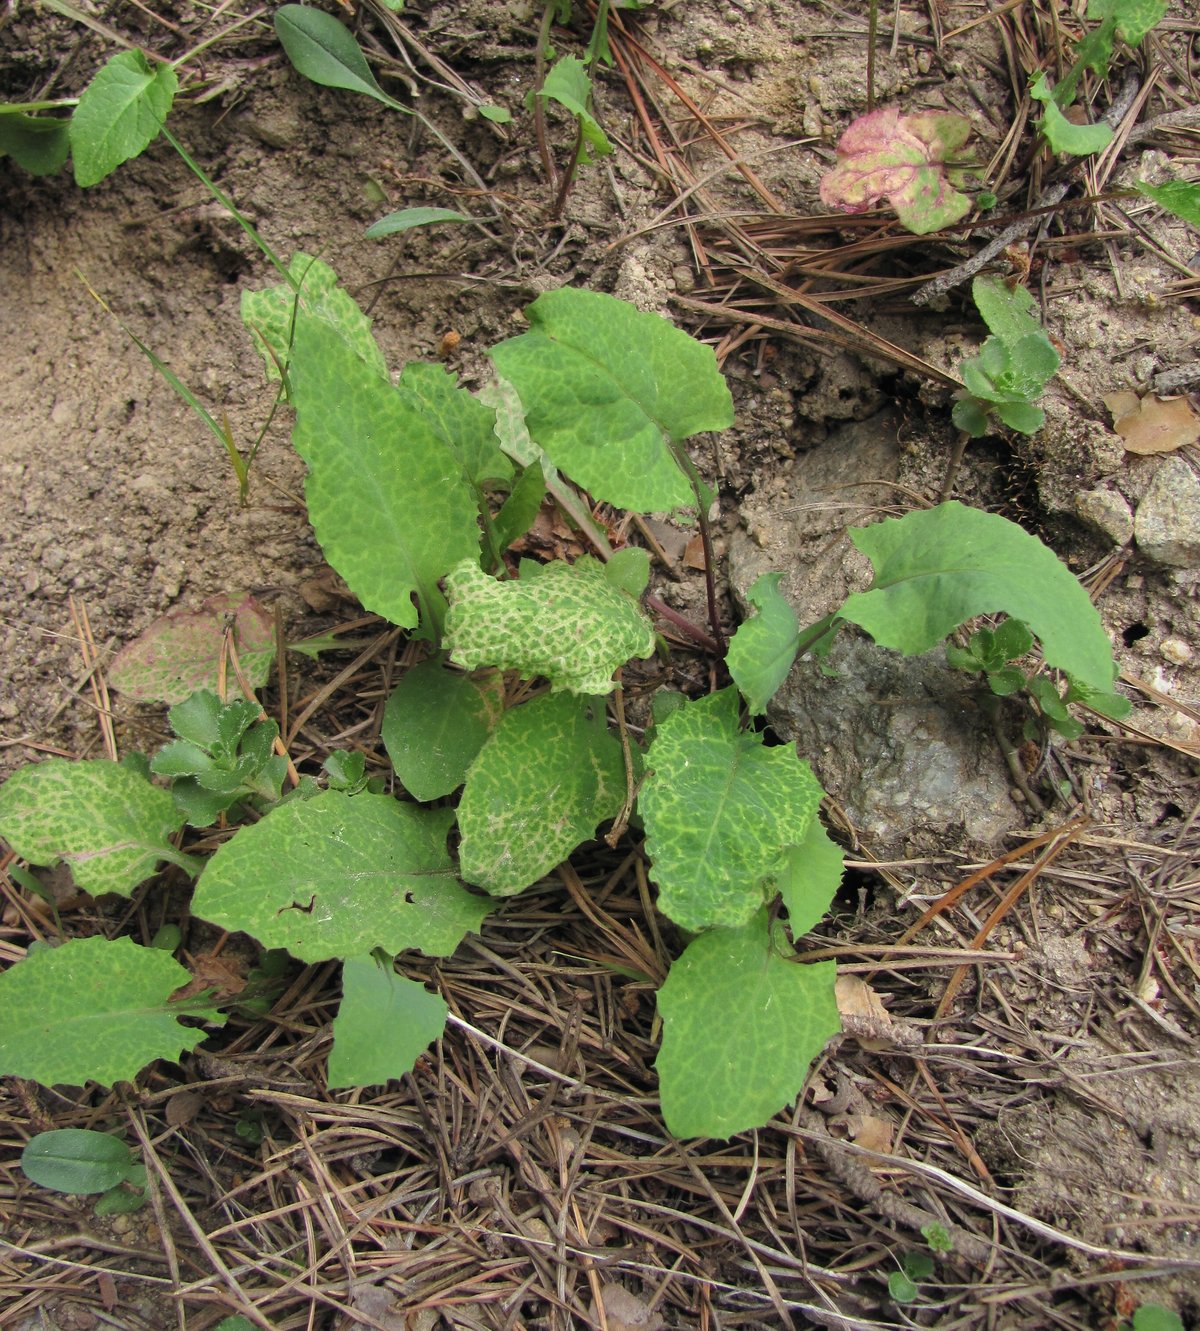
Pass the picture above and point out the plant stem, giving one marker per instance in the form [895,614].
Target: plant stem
[710,579]
[812,635]
[539,104]
[568,177]
[872,34]
[684,625]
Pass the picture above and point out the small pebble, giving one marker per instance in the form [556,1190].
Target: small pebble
[1176,651]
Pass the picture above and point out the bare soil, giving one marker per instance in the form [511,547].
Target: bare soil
[1048,1119]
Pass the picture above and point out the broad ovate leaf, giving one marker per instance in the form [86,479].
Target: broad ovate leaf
[93,1009]
[549,774]
[77,1161]
[339,875]
[384,1024]
[762,649]
[937,568]
[120,114]
[741,1027]
[811,875]
[387,497]
[607,390]
[904,159]
[109,825]
[720,811]
[180,653]
[566,622]
[270,314]
[464,424]
[41,144]
[1133,18]
[434,725]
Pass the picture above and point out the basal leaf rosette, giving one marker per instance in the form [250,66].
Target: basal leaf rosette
[904,159]
[720,812]
[565,622]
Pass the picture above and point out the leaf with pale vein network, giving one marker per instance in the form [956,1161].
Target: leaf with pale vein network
[720,810]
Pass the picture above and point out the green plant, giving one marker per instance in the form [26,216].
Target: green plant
[415,489]
[1154,1317]
[79,1162]
[1013,366]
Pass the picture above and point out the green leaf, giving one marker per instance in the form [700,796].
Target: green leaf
[40,144]
[901,1288]
[606,390]
[386,496]
[180,653]
[568,84]
[323,50]
[236,1323]
[77,1161]
[270,314]
[629,569]
[548,776]
[1176,196]
[1008,312]
[741,1026]
[498,115]
[938,1237]
[811,876]
[1134,18]
[384,1024]
[720,810]
[337,876]
[460,420]
[566,622]
[762,649]
[1021,416]
[937,568]
[434,725]
[107,824]
[1061,134]
[519,511]
[903,158]
[121,1200]
[1154,1317]
[120,114]
[93,1009]
[407,218]
[970,416]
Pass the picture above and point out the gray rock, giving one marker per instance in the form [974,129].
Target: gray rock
[1108,513]
[1167,525]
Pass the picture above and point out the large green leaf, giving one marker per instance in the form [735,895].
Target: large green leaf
[1134,18]
[91,1010]
[461,421]
[384,1024]
[77,1161]
[120,114]
[762,649]
[606,388]
[270,314]
[109,825]
[937,568]
[180,653]
[548,776]
[567,622]
[41,144]
[741,1026]
[324,50]
[387,497]
[338,876]
[720,810]
[435,723]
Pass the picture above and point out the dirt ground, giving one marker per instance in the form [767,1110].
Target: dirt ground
[1049,1119]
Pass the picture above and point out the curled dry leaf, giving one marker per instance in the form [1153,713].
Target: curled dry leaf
[866,1019]
[904,159]
[1153,424]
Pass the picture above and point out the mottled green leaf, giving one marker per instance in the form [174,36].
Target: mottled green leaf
[434,725]
[77,1161]
[408,218]
[606,389]
[120,114]
[93,1009]
[741,1026]
[384,1024]
[1134,18]
[41,144]
[386,496]
[270,314]
[460,420]
[904,159]
[811,875]
[1176,196]
[180,653]
[109,825]
[566,622]
[720,810]
[762,649]
[338,876]
[548,776]
[937,568]
[1007,311]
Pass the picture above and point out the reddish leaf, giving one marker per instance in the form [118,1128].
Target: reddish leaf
[886,155]
[181,652]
